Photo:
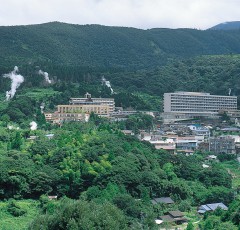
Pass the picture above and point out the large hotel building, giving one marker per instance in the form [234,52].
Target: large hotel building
[79,109]
[101,106]
[193,104]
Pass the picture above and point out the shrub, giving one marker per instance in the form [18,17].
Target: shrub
[14,209]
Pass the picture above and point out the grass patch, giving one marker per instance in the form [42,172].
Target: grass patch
[233,168]
[39,93]
[9,222]
[192,215]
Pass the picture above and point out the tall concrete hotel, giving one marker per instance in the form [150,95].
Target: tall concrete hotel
[183,105]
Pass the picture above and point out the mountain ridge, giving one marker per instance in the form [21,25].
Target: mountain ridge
[107,46]
[232,25]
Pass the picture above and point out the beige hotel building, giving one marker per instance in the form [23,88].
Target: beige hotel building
[79,109]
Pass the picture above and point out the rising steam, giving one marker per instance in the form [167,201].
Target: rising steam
[42,106]
[229,91]
[33,125]
[16,81]
[45,74]
[107,83]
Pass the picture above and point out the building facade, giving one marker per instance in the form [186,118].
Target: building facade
[102,110]
[222,144]
[79,109]
[94,104]
[198,103]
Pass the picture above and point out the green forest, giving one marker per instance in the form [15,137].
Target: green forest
[102,178]
[141,89]
[109,47]
[140,64]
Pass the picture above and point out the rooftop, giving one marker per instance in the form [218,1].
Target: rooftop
[211,207]
[165,200]
[192,93]
[176,213]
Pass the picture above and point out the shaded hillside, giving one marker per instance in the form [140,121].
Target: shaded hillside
[102,46]
[213,74]
[142,89]
[227,26]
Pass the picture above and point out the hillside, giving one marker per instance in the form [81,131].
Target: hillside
[142,89]
[102,46]
[97,177]
[110,177]
[227,26]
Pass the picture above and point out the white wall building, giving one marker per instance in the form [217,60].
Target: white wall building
[194,102]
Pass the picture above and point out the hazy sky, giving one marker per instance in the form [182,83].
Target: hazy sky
[200,14]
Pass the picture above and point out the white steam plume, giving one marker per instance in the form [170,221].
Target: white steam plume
[42,106]
[229,91]
[16,81]
[107,83]
[33,125]
[45,74]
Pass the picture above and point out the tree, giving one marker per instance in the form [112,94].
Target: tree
[190,226]
[40,118]
[14,209]
[169,170]
[82,215]
[17,141]
[5,119]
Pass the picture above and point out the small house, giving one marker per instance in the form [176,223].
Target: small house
[163,200]
[174,216]
[211,207]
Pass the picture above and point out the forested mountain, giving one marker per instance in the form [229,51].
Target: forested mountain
[102,46]
[151,61]
[227,26]
[102,178]
[139,89]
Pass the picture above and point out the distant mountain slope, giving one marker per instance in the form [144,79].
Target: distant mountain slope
[227,26]
[102,46]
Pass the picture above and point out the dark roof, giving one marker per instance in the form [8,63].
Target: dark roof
[153,201]
[211,207]
[176,213]
[167,218]
[180,219]
[165,200]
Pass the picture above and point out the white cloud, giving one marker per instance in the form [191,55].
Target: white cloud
[134,13]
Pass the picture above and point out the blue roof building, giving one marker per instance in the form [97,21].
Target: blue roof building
[211,207]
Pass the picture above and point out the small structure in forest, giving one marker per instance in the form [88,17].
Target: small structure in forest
[174,216]
[211,207]
[163,200]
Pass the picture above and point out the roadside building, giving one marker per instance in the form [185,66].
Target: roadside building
[222,144]
[189,142]
[199,130]
[160,142]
